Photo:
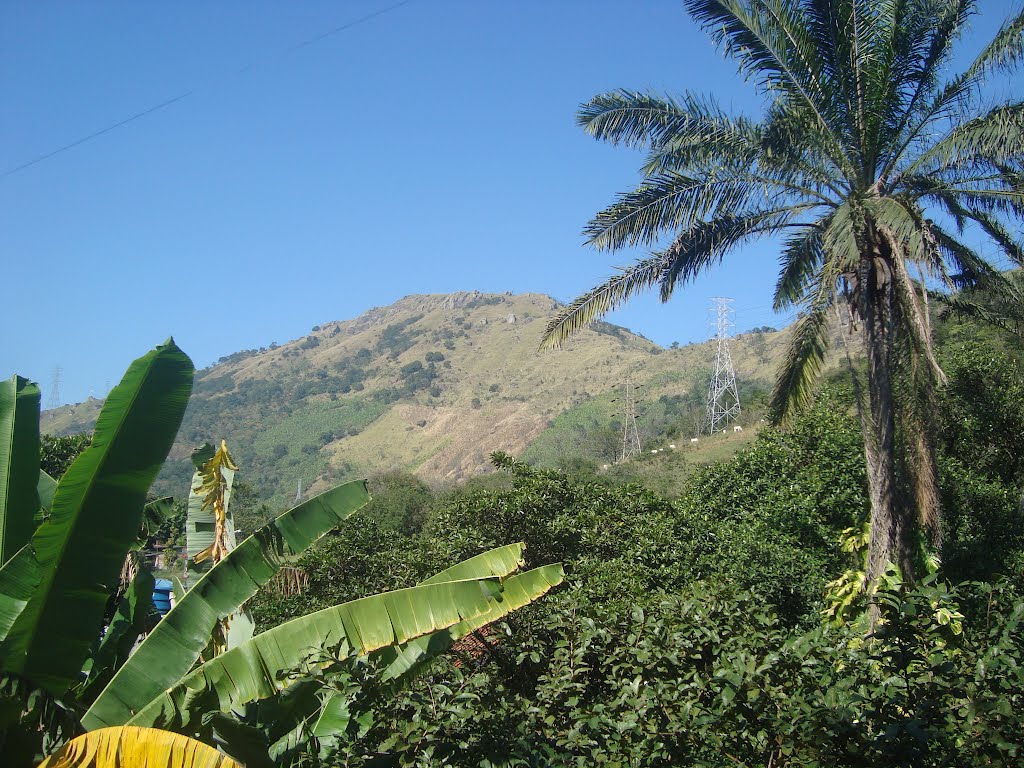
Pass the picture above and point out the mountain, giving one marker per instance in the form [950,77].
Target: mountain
[432,384]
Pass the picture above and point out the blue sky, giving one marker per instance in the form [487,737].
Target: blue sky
[429,149]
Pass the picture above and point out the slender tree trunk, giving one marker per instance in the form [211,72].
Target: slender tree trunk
[888,542]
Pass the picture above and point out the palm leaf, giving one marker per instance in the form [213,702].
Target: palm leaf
[639,119]
[995,137]
[95,519]
[601,300]
[802,257]
[770,45]
[665,202]
[794,386]
[19,464]
[132,747]
[171,649]
[255,669]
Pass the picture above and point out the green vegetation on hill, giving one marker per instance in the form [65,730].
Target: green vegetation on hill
[433,384]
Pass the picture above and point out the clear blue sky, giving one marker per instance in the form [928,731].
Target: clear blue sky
[429,149]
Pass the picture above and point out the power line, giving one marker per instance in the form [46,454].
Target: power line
[186,94]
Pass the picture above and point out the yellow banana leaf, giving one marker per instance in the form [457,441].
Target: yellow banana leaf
[128,746]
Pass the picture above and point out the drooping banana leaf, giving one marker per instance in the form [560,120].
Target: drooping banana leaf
[173,647]
[300,703]
[500,562]
[154,514]
[131,747]
[209,481]
[19,463]
[94,520]
[255,670]
[517,591]
[288,717]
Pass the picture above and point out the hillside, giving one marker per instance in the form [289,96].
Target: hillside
[433,384]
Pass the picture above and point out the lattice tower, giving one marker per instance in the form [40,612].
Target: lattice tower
[53,401]
[723,395]
[630,433]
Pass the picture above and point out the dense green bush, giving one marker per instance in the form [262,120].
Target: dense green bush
[710,678]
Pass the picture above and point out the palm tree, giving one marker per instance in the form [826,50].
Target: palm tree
[869,161]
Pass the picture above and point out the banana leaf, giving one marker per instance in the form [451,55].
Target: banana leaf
[176,643]
[287,718]
[200,521]
[19,578]
[130,747]
[256,669]
[19,464]
[134,616]
[94,521]
[517,591]
[46,487]
[500,562]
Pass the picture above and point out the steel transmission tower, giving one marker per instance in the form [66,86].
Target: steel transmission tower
[723,396]
[630,433]
[53,401]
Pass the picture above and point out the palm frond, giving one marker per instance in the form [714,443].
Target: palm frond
[707,243]
[802,256]
[601,300]
[994,137]
[639,119]
[1005,51]
[771,45]
[794,386]
[1001,236]
[690,253]
[669,201]
[915,321]
[971,268]
[924,42]
[841,239]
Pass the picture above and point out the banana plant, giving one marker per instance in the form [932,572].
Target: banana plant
[176,643]
[55,592]
[19,464]
[301,711]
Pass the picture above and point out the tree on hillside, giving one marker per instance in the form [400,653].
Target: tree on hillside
[869,164]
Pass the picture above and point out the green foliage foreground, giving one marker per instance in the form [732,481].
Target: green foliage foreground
[693,632]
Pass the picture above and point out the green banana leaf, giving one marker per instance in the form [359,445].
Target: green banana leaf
[19,463]
[46,487]
[19,578]
[176,643]
[500,562]
[517,591]
[132,620]
[94,520]
[286,718]
[255,670]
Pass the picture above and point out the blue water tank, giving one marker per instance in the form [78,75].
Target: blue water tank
[162,595]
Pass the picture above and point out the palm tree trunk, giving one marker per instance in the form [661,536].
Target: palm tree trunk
[888,543]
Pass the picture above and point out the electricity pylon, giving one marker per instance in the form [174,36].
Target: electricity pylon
[630,433]
[53,401]
[723,395]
